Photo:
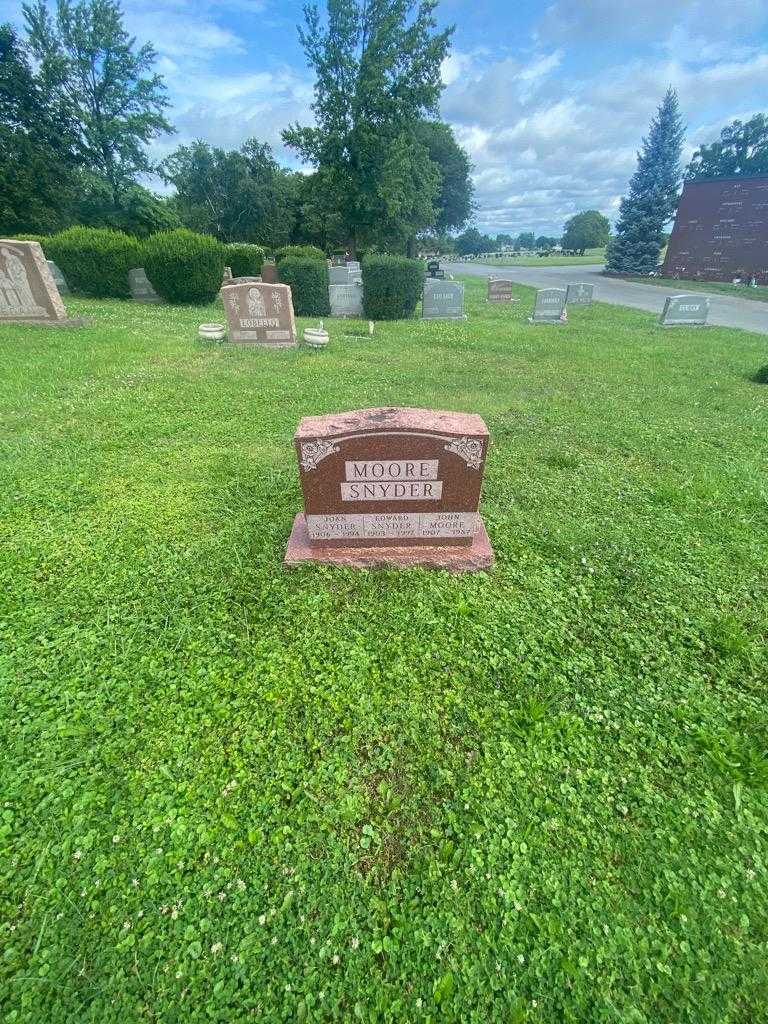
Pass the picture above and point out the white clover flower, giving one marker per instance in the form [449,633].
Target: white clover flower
[262,919]
[77,854]
[335,959]
[355,942]
[216,948]
[520,958]
[135,883]
[115,839]
[126,925]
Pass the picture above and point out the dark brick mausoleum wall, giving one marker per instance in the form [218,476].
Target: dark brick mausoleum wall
[721,230]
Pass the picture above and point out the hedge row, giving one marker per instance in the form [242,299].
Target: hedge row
[392,286]
[185,267]
[308,280]
[244,259]
[94,261]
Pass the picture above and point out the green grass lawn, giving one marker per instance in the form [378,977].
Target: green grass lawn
[233,792]
[591,256]
[758,294]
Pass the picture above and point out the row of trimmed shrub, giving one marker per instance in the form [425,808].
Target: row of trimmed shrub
[185,267]
[392,285]
[182,266]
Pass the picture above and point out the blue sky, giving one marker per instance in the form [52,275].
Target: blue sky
[551,100]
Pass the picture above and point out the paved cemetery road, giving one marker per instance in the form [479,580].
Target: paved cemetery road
[725,310]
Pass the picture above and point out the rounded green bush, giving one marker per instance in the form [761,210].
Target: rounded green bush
[183,266]
[245,259]
[308,279]
[95,261]
[306,251]
[392,286]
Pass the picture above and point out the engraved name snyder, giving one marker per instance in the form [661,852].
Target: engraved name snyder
[392,480]
[379,526]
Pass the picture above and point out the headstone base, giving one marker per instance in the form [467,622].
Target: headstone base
[559,321]
[462,317]
[478,555]
[70,321]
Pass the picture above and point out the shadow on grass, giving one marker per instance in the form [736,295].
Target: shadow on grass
[761,376]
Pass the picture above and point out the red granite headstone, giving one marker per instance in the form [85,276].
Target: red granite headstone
[269,273]
[395,487]
[259,314]
[500,290]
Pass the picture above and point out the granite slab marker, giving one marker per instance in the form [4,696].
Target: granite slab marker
[59,278]
[259,314]
[346,300]
[391,487]
[28,292]
[500,290]
[580,294]
[141,287]
[550,306]
[442,300]
[685,310]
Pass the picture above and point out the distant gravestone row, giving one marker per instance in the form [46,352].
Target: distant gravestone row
[28,291]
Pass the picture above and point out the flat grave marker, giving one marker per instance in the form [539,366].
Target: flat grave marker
[259,314]
[391,487]
[443,300]
[28,292]
[141,287]
[685,310]
[580,294]
[550,306]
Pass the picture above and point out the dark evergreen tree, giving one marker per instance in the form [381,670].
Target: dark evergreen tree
[652,198]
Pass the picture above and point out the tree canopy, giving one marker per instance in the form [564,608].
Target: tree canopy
[742,149]
[377,67]
[586,230]
[90,63]
[237,195]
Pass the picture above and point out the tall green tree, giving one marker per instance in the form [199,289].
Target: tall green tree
[652,197]
[38,155]
[455,200]
[586,230]
[377,67]
[238,195]
[472,242]
[91,63]
[526,240]
[742,149]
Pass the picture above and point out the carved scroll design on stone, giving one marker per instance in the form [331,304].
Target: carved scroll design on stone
[313,453]
[469,449]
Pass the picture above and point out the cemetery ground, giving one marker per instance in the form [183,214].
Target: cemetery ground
[233,791]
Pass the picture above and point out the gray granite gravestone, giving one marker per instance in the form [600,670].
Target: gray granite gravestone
[58,277]
[339,275]
[346,299]
[580,294]
[682,310]
[140,286]
[550,306]
[443,300]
